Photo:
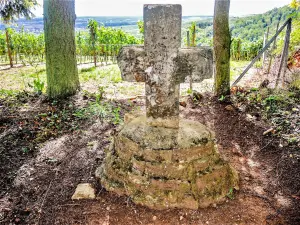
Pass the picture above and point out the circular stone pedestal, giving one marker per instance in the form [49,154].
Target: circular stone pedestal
[167,168]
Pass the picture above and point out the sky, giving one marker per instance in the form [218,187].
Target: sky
[189,7]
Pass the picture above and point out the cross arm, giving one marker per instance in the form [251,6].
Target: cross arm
[196,62]
[131,61]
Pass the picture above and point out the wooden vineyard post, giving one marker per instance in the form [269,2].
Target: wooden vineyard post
[188,38]
[189,44]
[194,36]
[8,48]
[273,48]
[95,57]
[266,35]
[239,49]
[284,56]
[262,51]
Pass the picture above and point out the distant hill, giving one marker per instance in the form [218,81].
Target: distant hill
[36,25]
[250,28]
[253,27]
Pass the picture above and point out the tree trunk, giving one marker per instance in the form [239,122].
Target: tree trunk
[95,58]
[194,36]
[221,41]
[8,48]
[61,64]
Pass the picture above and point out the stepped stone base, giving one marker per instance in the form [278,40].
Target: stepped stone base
[167,168]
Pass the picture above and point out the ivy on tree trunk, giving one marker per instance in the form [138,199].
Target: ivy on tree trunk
[61,63]
[221,41]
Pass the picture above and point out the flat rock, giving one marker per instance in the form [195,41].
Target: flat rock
[84,191]
[189,134]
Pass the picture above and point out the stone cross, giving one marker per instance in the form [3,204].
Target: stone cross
[162,65]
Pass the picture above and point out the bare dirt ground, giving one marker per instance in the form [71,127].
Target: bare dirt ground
[37,183]
[48,148]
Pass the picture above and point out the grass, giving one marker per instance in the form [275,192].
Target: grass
[19,78]
[8,93]
[295,82]
[91,78]
[236,68]
[109,74]
[25,78]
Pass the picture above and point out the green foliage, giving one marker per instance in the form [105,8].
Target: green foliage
[10,10]
[279,107]
[100,95]
[116,116]
[230,194]
[295,34]
[295,82]
[246,32]
[140,25]
[192,29]
[8,93]
[89,69]
[103,40]
[295,4]
[93,29]
[271,103]
[110,74]
[237,67]
[101,111]
[29,48]
[258,64]
[252,28]
[245,50]
[98,109]
[222,98]
[38,86]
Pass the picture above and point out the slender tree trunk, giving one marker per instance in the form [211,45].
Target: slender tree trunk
[194,36]
[221,43]
[8,48]
[61,63]
[95,58]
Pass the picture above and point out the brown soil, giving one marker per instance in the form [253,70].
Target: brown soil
[37,187]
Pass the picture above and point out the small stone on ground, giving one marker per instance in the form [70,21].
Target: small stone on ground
[84,191]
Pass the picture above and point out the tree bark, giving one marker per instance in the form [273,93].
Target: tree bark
[188,39]
[95,58]
[8,49]
[221,41]
[194,36]
[61,64]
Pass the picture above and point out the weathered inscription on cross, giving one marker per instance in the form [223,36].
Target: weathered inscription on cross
[162,64]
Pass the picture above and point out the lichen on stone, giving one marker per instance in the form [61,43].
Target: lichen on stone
[166,168]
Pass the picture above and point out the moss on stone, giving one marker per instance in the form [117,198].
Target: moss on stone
[183,174]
